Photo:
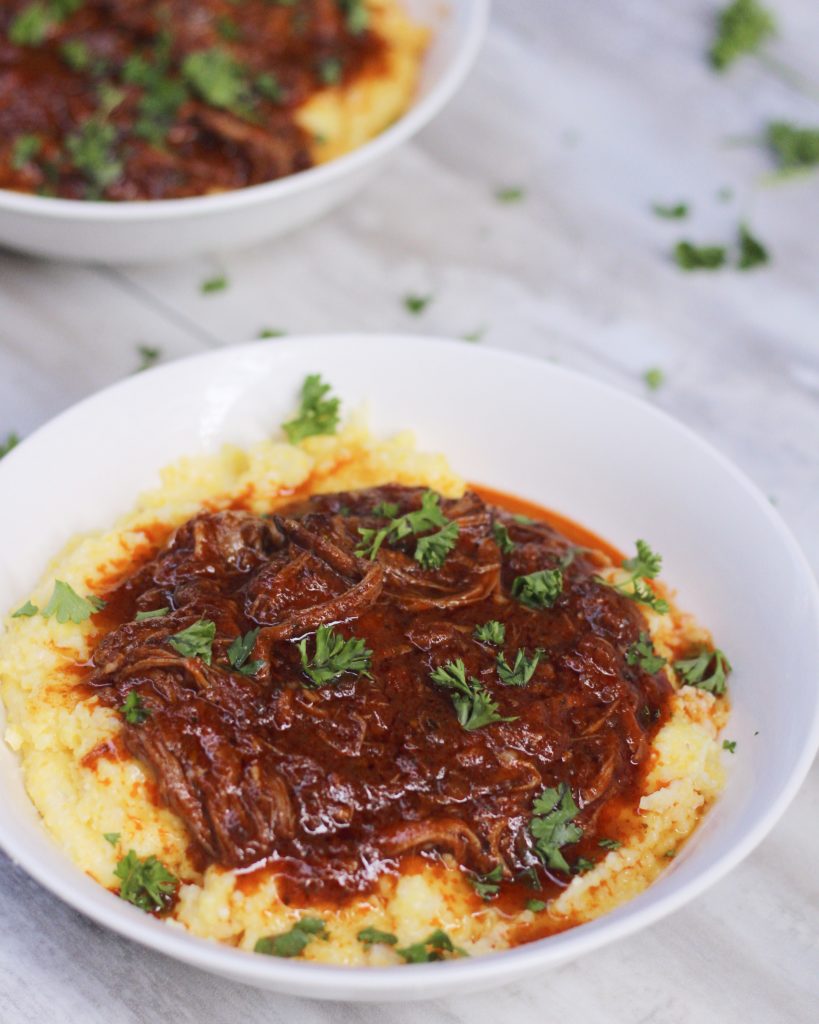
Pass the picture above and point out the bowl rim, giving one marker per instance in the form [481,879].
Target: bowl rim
[475,14]
[429,980]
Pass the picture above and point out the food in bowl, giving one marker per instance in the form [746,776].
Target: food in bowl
[323,699]
[115,100]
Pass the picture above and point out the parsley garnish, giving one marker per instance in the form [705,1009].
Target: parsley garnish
[730,746]
[644,566]
[431,948]
[294,942]
[218,79]
[357,15]
[371,936]
[240,650]
[510,194]
[157,613]
[111,837]
[146,883]
[66,605]
[521,671]
[582,864]
[539,589]
[25,148]
[492,632]
[795,148]
[416,304]
[431,551]
[134,710]
[91,149]
[552,826]
[317,413]
[214,284]
[330,71]
[12,440]
[25,611]
[270,332]
[752,253]
[472,702]
[389,509]
[427,517]
[609,844]
[196,641]
[642,653]
[334,656]
[487,886]
[654,378]
[699,257]
[148,356]
[536,906]
[676,212]
[502,538]
[741,28]
[695,671]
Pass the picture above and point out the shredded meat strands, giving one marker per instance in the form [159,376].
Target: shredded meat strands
[333,785]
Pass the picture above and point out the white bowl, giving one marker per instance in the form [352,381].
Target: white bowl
[603,458]
[169,229]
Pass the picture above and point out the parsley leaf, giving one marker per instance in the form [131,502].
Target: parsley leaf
[642,653]
[676,212]
[196,641]
[427,517]
[487,886]
[330,71]
[431,948]
[157,613]
[111,837]
[214,284]
[536,906]
[654,378]
[357,15]
[502,538]
[146,883]
[31,25]
[317,413]
[582,864]
[25,611]
[730,746]
[752,253]
[271,332]
[66,605]
[24,150]
[644,566]
[510,194]
[134,710]
[431,551]
[741,28]
[539,589]
[795,148]
[293,942]
[240,650]
[695,671]
[472,702]
[148,356]
[416,304]
[699,257]
[371,936]
[389,509]
[492,632]
[552,826]
[609,844]
[218,79]
[12,440]
[521,671]
[334,656]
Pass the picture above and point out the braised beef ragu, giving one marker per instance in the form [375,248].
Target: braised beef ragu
[333,785]
[158,99]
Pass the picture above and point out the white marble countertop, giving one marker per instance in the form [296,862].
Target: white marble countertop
[597,109]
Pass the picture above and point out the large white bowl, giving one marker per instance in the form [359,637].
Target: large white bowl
[605,459]
[169,229]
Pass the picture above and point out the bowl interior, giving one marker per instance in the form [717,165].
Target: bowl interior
[609,461]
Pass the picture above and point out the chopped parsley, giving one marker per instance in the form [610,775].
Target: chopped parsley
[111,837]
[149,355]
[134,710]
[742,27]
[330,71]
[552,826]
[795,148]
[487,886]
[66,605]
[416,304]
[433,947]
[582,864]
[642,653]
[677,211]
[11,441]
[26,611]
[706,671]
[157,613]
[654,378]
[269,87]
[510,194]
[295,941]
[317,413]
[539,589]
[371,936]
[146,883]
[31,25]
[492,632]
[644,566]
[536,906]
[214,284]
[502,538]
[752,253]
[609,844]
[389,509]
[216,77]
[271,332]
[730,746]
[240,650]
[333,656]
[472,702]
[24,150]
[431,551]
[196,641]
[474,335]
[429,516]
[521,671]
[91,150]
[699,257]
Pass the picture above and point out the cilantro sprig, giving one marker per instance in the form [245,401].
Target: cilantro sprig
[707,670]
[317,413]
[552,825]
[295,941]
[333,656]
[472,702]
[146,883]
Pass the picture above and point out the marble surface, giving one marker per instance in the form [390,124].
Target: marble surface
[597,109]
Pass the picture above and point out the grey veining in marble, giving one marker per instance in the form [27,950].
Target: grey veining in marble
[598,108]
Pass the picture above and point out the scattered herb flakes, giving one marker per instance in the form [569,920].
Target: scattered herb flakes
[472,702]
[487,886]
[552,826]
[196,641]
[156,613]
[371,936]
[293,942]
[146,883]
[149,355]
[502,538]
[334,655]
[730,746]
[111,837]
[218,79]
[429,516]
[492,632]
[752,253]
[416,304]
[536,906]
[11,441]
[31,25]
[609,844]
[389,509]
[510,194]
[521,671]
[642,653]
[645,565]
[699,257]
[433,947]
[742,27]
[317,413]
[24,150]
[330,71]
[134,710]
[357,15]
[269,87]
[240,650]
[654,378]
[475,335]
[431,551]
[214,284]
[670,854]
[677,211]
[66,605]
[582,864]
[270,332]
[795,148]
[25,611]
[539,589]
[91,151]
[707,670]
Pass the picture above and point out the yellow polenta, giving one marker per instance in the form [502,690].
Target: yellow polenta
[53,729]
